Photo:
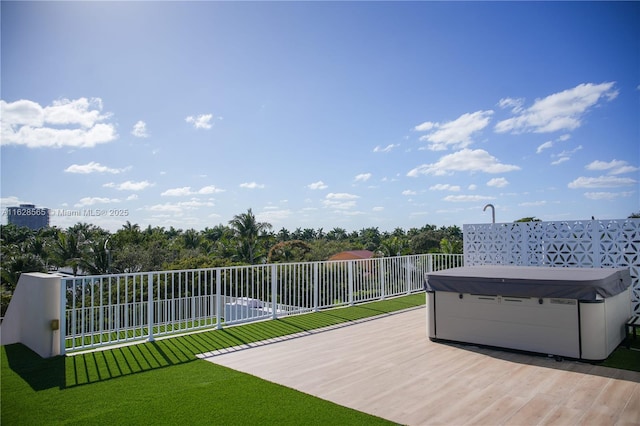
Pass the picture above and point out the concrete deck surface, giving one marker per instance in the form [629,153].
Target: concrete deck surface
[388,367]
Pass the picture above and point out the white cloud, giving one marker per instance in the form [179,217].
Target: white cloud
[202,121]
[615,167]
[11,201]
[166,207]
[77,111]
[468,160]
[456,133]
[275,215]
[425,127]
[565,155]
[533,204]
[559,111]
[129,185]
[177,192]
[549,144]
[251,185]
[472,187]
[546,145]
[387,148]
[341,196]
[178,208]
[317,185]
[76,123]
[90,201]
[514,104]
[498,182]
[444,187]
[209,189]
[363,177]
[186,190]
[340,201]
[22,112]
[91,167]
[195,203]
[601,182]
[140,130]
[378,209]
[409,192]
[466,198]
[606,195]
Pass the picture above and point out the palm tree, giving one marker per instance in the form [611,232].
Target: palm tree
[130,233]
[370,238]
[16,265]
[337,234]
[98,257]
[448,246]
[283,235]
[392,246]
[248,231]
[191,239]
[68,250]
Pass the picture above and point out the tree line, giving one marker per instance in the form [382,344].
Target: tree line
[88,249]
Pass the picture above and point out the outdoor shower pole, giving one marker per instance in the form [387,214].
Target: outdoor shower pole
[493,212]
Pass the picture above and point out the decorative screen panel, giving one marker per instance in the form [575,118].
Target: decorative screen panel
[579,243]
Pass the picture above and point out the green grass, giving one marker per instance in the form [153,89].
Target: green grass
[162,382]
[625,359]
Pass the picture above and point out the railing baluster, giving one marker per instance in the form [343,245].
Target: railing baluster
[149,306]
[218,298]
[274,291]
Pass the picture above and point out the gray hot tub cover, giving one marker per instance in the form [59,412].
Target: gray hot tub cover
[532,281]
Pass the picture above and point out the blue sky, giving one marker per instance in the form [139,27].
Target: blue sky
[320,114]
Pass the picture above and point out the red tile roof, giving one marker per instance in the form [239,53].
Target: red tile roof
[352,254]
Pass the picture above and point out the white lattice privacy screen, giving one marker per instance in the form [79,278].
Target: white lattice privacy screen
[579,243]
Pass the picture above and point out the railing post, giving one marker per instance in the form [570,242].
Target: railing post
[218,298]
[316,287]
[274,291]
[408,274]
[383,285]
[150,306]
[193,298]
[350,278]
[63,315]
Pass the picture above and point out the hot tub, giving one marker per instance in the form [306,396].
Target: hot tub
[566,312]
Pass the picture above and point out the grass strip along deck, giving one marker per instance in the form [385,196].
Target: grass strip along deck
[163,382]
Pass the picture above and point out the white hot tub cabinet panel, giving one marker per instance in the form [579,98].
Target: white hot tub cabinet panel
[602,325]
[521,323]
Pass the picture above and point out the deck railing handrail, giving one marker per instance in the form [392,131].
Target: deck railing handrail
[108,309]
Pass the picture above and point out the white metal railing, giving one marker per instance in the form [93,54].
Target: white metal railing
[109,309]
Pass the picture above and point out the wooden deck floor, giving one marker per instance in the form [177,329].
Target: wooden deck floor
[388,367]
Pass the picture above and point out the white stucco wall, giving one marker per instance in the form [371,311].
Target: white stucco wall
[35,303]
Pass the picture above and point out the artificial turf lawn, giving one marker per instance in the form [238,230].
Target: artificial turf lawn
[625,359]
[162,382]
[191,393]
